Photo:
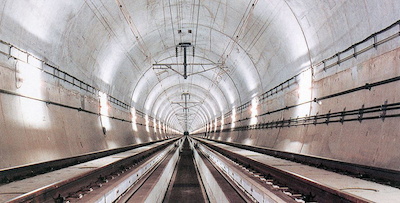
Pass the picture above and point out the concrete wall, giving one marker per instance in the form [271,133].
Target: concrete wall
[35,131]
[268,42]
[371,142]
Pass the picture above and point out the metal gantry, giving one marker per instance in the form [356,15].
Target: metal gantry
[185,104]
[185,64]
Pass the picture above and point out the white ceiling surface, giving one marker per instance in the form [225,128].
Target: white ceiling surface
[113,44]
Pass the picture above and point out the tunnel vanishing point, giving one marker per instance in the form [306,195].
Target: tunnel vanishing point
[311,78]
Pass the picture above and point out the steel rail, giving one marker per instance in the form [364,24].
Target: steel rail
[58,191]
[375,174]
[11,174]
[315,190]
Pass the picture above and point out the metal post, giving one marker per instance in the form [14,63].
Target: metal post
[184,64]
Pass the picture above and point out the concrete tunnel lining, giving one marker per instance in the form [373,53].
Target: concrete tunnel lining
[104,74]
[112,46]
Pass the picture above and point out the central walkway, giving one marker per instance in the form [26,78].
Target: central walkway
[185,184]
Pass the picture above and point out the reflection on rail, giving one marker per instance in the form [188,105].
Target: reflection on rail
[192,169]
[74,182]
[304,183]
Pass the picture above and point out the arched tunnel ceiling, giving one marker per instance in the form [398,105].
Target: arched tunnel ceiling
[246,47]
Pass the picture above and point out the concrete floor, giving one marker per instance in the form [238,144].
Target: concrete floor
[185,185]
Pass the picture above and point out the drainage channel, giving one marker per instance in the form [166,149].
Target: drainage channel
[186,185]
[187,174]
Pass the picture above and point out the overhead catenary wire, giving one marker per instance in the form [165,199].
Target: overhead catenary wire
[239,29]
[173,34]
[134,29]
[197,27]
[106,25]
[261,31]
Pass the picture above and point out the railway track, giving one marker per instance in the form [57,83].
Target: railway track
[305,183]
[75,181]
[192,169]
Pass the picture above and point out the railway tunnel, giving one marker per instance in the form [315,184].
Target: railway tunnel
[199,101]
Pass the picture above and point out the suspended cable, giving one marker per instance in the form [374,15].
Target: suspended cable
[239,29]
[172,21]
